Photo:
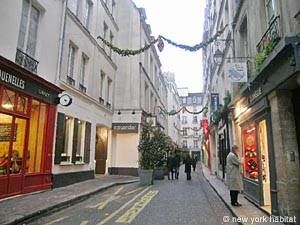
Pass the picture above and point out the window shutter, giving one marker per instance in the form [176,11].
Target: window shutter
[60,137]
[75,140]
[87,142]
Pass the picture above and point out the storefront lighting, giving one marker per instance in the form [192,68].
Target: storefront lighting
[7,105]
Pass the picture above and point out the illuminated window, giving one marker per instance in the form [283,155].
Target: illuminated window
[38,118]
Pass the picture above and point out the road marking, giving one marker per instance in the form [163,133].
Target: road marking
[101,205]
[133,191]
[129,216]
[57,220]
[84,222]
[123,207]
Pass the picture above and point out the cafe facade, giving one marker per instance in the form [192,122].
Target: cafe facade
[27,115]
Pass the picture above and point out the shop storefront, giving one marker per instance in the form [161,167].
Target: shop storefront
[253,119]
[27,115]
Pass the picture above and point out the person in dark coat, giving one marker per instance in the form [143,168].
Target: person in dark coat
[188,167]
[170,166]
[177,165]
[194,161]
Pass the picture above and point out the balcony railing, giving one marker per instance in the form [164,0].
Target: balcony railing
[82,88]
[108,105]
[70,81]
[26,61]
[101,100]
[271,35]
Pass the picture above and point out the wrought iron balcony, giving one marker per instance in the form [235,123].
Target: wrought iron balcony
[70,81]
[108,105]
[270,38]
[26,61]
[82,88]
[101,100]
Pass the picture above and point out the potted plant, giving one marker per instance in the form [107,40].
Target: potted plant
[160,145]
[146,161]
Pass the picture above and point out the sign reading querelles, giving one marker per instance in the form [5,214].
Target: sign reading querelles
[12,80]
[125,127]
[27,86]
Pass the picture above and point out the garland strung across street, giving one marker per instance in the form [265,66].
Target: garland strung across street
[174,112]
[188,128]
[130,52]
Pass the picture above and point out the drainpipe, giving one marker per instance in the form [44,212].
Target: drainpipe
[61,40]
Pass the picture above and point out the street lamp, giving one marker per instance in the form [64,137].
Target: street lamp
[218,56]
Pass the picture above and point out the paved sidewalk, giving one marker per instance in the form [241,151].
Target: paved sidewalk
[248,211]
[17,210]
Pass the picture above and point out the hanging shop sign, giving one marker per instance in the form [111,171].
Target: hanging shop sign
[125,127]
[236,71]
[214,102]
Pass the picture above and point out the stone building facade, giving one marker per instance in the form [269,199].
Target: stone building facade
[264,112]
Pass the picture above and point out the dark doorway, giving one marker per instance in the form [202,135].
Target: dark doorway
[101,149]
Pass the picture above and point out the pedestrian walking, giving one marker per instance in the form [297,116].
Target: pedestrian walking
[233,175]
[188,167]
[177,165]
[170,166]
[194,161]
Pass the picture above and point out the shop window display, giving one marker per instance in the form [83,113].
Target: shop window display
[250,153]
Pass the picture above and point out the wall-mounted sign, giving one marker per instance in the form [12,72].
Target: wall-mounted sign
[29,87]
[236,71]
[256,93]
[125,127]
[214,102]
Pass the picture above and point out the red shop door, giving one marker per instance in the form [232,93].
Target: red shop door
[12,151]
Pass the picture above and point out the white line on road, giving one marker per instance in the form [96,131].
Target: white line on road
[101,205]
[131,213]
[84,222]
[123,207]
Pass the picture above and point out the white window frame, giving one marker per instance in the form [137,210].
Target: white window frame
[71,60]
[28,24]
[87,13]
[81,139]
[83,68]
[73,6]
[102,80]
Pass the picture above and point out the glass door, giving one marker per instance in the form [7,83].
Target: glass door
[5,146]
[264,159]
[17,152]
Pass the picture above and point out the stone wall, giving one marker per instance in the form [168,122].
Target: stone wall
[285,142]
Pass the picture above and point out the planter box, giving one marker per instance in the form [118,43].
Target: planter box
[159,174]
[146,177]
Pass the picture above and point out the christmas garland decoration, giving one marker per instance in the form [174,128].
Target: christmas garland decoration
[189,128]
[129,52]
[174,112]
[197,46]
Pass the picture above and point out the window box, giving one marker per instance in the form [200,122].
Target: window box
[70,81]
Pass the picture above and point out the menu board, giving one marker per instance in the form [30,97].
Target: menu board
[250,152]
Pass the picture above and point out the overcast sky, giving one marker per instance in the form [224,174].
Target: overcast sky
[182,22]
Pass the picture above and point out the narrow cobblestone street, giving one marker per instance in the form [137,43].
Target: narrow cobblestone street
[166,202]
